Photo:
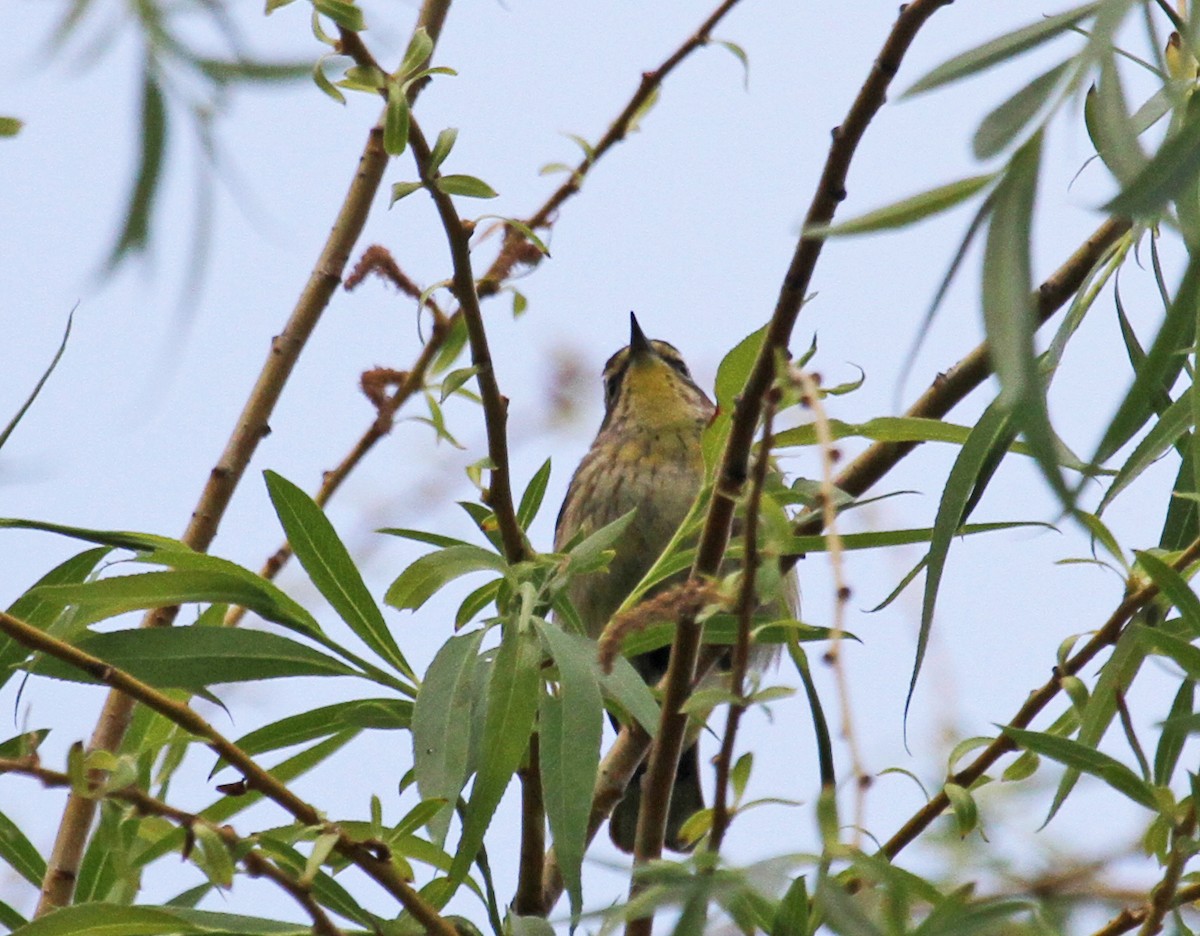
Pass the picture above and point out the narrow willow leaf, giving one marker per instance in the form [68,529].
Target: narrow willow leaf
[418,583]
[1090,761]
[1111,127]
[625,686]
[1171,427]
[19,853]
[196,657]
[108,597]
[991,434]
[101,919]
[416,56]
[420,536]
[403,189]
[792,916]
[820,726]
[342,12]
[37,387]
[1161,366]
[1174,588]
[531,500]
[137,542]
[1168,173]
[1174,733]
[1009,313]
[966,813]
[330,567]
[1185,654]
[135,230]
[569,731]
[1117,676]
[466,185]
[1004,124]
[41,613]
[321,80]
[440,744]
[909,210]
[441,148]
[395,122]
[1002,48]
[353,715]
[511,709]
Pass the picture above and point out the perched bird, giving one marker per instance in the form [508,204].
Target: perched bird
[646,458]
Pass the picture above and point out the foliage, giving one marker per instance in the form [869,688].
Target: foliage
[517,695]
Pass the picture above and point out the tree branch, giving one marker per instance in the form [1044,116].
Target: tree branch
[528,899]
[1106,636]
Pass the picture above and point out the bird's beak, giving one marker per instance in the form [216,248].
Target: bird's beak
[638,342]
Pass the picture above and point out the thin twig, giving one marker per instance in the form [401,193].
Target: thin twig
[747,604]
[367,856]
[833,656]
[1128,920]
[1106,636]
[1162,898]
[256,864]
[495,405]
[664,756]
[528,899]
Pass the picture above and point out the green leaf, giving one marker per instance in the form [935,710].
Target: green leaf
[1174,733]
[99,919]
[908,210]
[1170,428]
[455,379]
[321,80]
[465,185]
[342,12]
[37,387]
[511,710]
[418,583]
[1010,316]
[740,54]
[403,190]
[441,746]
[441,148]
[569,730]
[531,500]
[1090,761]
[626,687]
[135,230]
[395,123]
[1174,588]
[1161,366]
[20,854]
[972,467]
[138,542]
[1002,48]
[196,657]
[1168,173]
[966,813]
[108,597]
[735,368]
[353,715]
[1116,677]
[1110,127]
[1004,124]
[10,126]
[41,613]
[792,915]
[416,56]
[329,566]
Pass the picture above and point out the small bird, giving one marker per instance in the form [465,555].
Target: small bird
[646,458]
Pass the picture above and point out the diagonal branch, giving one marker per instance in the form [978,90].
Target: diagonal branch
[368,857]
[664,757]
[1106,636]
[255,863]
[251,427]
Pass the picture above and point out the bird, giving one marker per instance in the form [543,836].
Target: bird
[646,458]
